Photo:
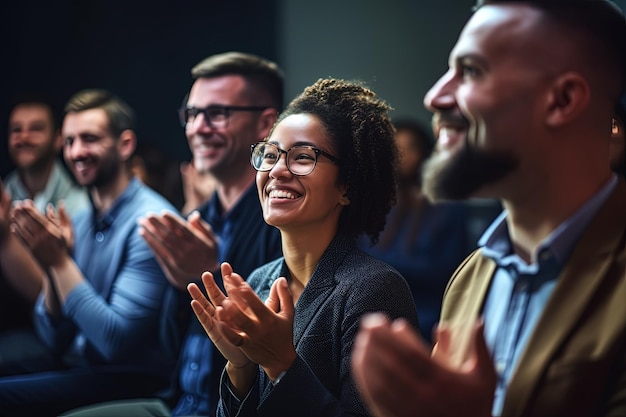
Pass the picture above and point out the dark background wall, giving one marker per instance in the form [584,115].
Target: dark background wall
[142,50]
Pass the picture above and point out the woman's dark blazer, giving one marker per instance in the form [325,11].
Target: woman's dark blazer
[346,284]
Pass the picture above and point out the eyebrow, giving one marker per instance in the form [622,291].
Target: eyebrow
[471,57]
[298,143]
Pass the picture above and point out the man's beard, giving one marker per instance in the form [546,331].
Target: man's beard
[460,176]
[109,168]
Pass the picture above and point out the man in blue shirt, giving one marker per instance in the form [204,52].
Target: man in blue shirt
[524,115]
[233,103]
[99,311]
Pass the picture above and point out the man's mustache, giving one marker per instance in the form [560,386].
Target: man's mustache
[448,118]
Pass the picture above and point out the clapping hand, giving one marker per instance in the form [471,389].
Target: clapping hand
[183,248]
[399,376]
[48,237]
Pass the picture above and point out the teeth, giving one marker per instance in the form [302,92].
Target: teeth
[282,194]
[203,147]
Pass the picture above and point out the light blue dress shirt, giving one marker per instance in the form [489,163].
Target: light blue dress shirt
[520,291]
[113,316]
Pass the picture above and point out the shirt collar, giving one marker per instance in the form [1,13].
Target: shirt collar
[41,199]
[560,242]
[217,218]
[107,218]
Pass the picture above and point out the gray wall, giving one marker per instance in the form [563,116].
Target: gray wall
[398,47]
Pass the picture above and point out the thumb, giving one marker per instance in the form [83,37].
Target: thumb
[285,297]
[443,337]
[482,359]
[195,220]
[62,213]
[273,301]
[50,214]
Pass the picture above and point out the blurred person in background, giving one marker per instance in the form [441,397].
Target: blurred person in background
[422,240]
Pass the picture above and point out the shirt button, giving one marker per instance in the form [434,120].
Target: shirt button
[193,366]
[500,367]
[99,237]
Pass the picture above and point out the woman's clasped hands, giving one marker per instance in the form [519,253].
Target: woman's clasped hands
[246,330]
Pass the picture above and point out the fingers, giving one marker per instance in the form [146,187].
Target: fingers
[273,300]
[484,361]
[202,227]
[247,301]
[203,310]
[391,365]
[214,292]
[62,214]
[161,239]
[25,225]
[455,343]
[175,225]
[51,214]
[231,280]
[159,228]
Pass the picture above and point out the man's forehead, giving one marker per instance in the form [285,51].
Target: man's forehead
[501,24]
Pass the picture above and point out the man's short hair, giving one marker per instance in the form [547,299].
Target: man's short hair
[601,20]
[263,74]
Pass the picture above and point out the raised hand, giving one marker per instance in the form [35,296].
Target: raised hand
[397,375]
[264,331]
[241,370]
[62,220]
[205,311]
[43,237]
[183,248]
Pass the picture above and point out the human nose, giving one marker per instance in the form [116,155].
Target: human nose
[280,169]
[441,94]
[74,150]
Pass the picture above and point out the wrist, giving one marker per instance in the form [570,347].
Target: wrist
[60,262]
[276,372]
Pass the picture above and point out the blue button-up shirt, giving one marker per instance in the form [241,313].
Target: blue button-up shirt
[113,316]
[520,291]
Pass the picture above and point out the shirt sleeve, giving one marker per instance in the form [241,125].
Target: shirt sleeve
[56,332]
[117,325]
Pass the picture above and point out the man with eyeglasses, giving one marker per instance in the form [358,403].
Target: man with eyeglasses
[233,103]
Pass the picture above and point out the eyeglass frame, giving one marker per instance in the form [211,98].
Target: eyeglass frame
[315,150]
[204,110]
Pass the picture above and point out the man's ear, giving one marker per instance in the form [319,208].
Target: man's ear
[127,143]
[266,122]
[568,96]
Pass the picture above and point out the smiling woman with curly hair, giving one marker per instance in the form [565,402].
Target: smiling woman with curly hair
[288,332]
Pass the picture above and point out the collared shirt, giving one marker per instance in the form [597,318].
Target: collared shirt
[113,316]
[60,186]
[520,291]
[246,242]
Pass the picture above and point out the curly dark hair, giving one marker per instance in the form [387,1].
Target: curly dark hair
[358,124]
